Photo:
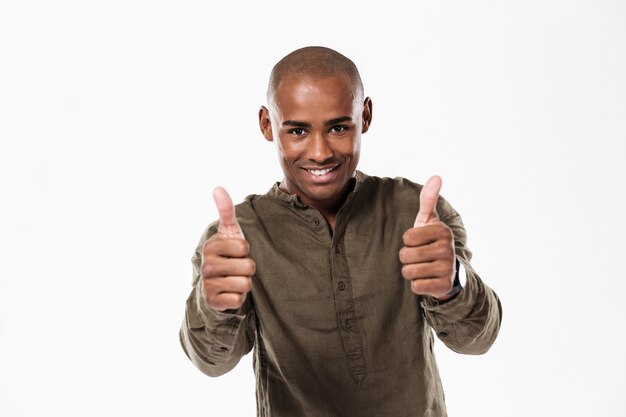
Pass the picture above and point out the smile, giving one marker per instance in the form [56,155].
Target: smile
[320,172]
[322,175]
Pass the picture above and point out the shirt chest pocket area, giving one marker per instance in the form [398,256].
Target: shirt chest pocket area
[297,290]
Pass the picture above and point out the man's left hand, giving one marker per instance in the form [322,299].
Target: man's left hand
[428,253]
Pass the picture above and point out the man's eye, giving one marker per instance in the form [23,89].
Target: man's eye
[339,129]
[297,131]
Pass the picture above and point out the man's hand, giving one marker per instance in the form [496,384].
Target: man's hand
[428,253]
[226,271]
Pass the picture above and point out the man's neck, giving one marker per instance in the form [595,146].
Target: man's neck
[330,208]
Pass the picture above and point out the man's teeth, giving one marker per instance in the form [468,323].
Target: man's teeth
[320,171]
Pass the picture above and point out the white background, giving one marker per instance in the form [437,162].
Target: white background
[117,119]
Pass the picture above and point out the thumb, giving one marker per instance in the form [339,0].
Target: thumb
[228,220]
[428,200]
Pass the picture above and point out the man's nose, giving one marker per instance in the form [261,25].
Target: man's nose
[319,149]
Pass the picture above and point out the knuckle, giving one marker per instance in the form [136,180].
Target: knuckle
[442,290]
[250,267]
[242,247]
[448,280]
[211,300]
[410,271]
[402,255]
[210,290]
[443,249]
[214,239]
[220,304]
[443,269]
[406,271]
[446,272]
[439,251]
[416,286]
[207,247]
[212,246]
[238,300]
[246,285]
[208,269]
[445,233]
[407,237]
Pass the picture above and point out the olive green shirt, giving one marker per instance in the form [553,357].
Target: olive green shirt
[335,327]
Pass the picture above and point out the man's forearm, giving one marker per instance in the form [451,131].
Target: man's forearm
[470,322]
[215,341]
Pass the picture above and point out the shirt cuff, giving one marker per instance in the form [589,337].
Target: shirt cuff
[455,303]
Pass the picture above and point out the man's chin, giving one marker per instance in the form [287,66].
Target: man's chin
[324,194]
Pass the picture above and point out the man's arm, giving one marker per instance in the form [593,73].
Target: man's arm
[219,325]
[469,322]
[213,340]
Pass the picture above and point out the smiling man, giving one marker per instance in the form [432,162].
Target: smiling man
[316,123]
[335,278]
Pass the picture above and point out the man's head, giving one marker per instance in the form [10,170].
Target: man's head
[314,62]
[316,116]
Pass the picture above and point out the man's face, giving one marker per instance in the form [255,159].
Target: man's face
[316,125]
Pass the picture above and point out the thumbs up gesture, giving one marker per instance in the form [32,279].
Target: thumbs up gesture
[226,270]
[428,256]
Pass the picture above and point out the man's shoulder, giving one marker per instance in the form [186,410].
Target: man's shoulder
[252,202]
[403,191]
[397,181]
[391,184]
[257,210]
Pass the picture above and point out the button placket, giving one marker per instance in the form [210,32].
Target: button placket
[346,315]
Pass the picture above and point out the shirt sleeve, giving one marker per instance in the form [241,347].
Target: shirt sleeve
[468,323]
[214,340]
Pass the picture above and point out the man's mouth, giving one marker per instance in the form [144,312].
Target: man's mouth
[320,172]
[322,175]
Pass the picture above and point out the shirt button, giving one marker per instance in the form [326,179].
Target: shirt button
[337,250]
[341,285]
[347,323]
[316,222]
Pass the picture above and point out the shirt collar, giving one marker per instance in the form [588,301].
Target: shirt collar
[294,201]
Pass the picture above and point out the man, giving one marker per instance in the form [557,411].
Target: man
[334,277]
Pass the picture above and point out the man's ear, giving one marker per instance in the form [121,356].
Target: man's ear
[265,124]
[367,114]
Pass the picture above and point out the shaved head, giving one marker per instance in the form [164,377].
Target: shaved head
[314,62]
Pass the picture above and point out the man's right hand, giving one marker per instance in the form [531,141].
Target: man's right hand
[226,269]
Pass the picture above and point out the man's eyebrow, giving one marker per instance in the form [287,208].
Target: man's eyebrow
[295,123]
[338,120]
[330,122]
